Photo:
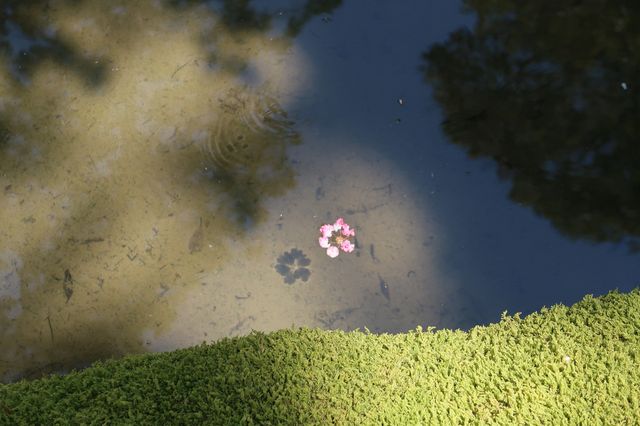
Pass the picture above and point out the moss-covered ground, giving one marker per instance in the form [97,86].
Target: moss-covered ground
[562,365]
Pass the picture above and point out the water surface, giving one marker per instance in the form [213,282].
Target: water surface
[165,167]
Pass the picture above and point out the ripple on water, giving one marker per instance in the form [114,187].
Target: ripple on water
[252,131]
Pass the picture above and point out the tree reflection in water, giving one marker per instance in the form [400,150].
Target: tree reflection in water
[547,89]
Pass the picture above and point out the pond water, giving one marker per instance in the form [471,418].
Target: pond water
[165,167]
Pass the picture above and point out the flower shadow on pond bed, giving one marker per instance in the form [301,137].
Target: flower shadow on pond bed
[292,266]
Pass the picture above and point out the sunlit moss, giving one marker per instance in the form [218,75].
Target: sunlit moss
[574,365]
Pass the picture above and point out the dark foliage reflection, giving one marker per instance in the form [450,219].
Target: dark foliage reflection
[547,89]
[27,38]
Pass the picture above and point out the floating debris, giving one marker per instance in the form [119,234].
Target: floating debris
[384,288]
[372,252]
[29,219]
[243,296]
[66,285]
[196,240]
[240,324]
[328,319]
[50,327]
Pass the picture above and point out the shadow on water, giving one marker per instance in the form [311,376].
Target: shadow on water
[27,39]
[243,15]
[247,151]
[279,20]
[91,263]
[548,91]
[234,15]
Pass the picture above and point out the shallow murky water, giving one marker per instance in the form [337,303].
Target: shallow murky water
[165,166]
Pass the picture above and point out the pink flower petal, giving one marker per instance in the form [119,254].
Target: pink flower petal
[338,224]
[324,242]
[346,246]
[347,231]
[326,230]
[333,251]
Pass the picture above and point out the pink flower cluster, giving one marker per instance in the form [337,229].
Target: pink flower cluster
[336,235]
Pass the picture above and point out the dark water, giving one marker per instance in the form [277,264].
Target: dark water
[165,167]
[518,126]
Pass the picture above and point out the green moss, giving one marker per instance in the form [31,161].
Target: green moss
[513,372]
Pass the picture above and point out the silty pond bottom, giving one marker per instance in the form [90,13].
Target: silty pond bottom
[165,167]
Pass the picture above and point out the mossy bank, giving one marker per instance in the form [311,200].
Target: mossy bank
[562,365]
